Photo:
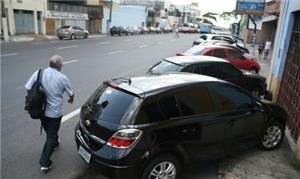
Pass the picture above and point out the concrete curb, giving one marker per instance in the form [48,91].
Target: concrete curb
[41,38]
[292,143]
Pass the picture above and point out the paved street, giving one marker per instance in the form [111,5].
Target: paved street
[87,64]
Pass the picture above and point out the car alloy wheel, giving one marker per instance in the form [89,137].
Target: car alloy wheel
[255,93]
[162,167]
[163,170]
[73,36]
[272,137]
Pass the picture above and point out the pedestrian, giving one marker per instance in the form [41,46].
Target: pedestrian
[55,84]
[177,32]
[267,49]
[261,48]
[253,40]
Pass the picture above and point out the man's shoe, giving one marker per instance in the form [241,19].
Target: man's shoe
[46,169]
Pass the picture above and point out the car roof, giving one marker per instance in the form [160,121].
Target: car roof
[187,60]
[149,84]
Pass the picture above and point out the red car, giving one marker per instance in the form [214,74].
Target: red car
[226,53]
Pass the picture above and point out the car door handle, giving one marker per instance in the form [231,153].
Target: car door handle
[189,131]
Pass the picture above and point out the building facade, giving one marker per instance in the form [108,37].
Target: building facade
[86,14]
[25,16]
[284,79]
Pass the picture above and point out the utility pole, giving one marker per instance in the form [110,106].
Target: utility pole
[108,22]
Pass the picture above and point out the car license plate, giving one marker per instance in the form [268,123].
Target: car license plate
[84,154]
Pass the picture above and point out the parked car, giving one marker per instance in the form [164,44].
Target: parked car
[71,32]
[209,37]
[144,30]
[227,53]
[150,126]
[118,31]
[133,30]
[215,67]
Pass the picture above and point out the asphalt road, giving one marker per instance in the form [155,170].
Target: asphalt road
[87,63]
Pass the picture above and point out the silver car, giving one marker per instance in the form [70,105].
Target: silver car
[71,32]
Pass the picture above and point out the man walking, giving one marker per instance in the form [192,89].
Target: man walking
[55,85]
[267,49]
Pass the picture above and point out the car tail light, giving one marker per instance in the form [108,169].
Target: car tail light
[124,138]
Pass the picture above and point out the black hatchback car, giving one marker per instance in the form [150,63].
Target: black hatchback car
[215,67]
[150,126]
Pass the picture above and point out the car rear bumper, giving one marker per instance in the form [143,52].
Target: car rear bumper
[110,170]
[64,35]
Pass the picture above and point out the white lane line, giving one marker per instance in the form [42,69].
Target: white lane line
[127,40]
[145,38]
[103,43]
[70,115]
[160,43]
[20,87]
[70,61]
[115,52]
[143,46]
[65,47]
[9,54]
[37,43]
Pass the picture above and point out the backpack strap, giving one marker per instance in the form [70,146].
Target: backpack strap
[40,77]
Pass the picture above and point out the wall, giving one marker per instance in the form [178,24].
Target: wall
[31,5]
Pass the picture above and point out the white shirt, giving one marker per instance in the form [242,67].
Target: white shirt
[268,45]
[55,85]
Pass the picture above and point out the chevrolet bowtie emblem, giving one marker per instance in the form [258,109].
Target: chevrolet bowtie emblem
[87,123]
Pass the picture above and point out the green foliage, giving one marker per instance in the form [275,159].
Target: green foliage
[296,164]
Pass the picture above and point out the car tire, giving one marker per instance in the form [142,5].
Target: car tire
[60,38]
[272,137]
[163,165]
[256,92]
[73,37]
[86,36]
[254,69]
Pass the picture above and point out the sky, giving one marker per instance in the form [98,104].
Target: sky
[216,6]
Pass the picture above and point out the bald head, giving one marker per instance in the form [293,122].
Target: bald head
[56,62]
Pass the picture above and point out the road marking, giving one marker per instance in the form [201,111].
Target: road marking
[20,87]
[70,61]
[70,115]
[115,52]
[173,40]
[143,46]
[103,43]
[9,54]
[65,47]
[37,43]
[145,38]
[160,43]
[127,40]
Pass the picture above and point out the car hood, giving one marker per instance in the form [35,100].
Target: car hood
[250,56]
[253,75]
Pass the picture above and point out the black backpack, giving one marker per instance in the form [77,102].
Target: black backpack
[35,102]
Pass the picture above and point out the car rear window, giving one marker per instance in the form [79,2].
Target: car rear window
[65,27]
[109,104]
[196,50]
[165,66]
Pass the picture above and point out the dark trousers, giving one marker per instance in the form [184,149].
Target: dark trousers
[51,126]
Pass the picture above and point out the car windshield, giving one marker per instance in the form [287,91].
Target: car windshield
[196,50]
[165,66]
[185,25]
[109,104]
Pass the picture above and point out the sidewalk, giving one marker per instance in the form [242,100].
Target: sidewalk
[34,37]
[257,164]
